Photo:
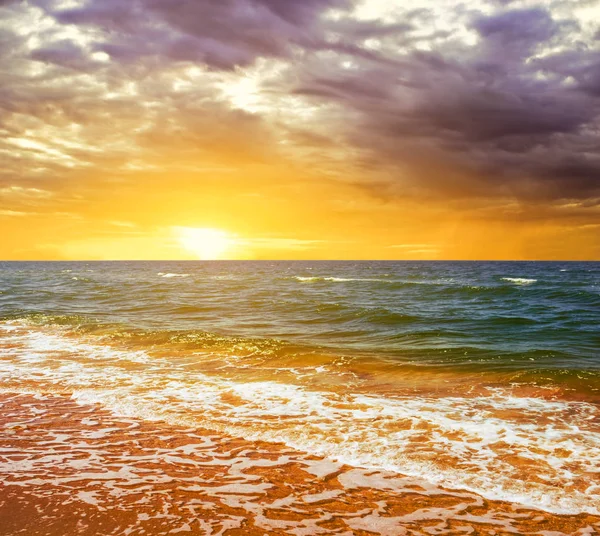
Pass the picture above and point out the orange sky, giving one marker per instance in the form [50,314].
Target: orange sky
[329,134]
[306,218]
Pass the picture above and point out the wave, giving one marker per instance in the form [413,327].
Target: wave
[438,286]
[520,280]
[312,279]
[169,275]
[531,451]
[457,443]
[385,316]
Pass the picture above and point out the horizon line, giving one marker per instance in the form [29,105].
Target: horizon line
[298,260]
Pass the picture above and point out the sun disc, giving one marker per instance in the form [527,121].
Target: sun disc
[205,243]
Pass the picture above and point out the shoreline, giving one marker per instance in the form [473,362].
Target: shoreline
[69,468]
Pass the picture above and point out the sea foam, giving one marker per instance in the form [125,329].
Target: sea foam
[520,280]
[531,451]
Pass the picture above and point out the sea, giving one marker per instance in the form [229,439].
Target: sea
[297,397]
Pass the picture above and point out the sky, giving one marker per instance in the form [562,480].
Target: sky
[300,129]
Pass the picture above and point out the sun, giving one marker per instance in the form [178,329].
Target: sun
[205,243]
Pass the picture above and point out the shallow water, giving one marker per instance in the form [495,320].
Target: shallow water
[76,469]
[479,377]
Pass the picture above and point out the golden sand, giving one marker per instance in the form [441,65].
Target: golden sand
[70,469]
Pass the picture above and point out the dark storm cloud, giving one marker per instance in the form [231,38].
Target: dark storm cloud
[516,31]
[508,110]
[220,33]
[63,53]
[481,99]
[582,65]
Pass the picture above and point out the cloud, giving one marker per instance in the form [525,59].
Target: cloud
[486,99]
[507,100]
[64,53]
[221,34]
[279,243]
[514,34]
[13,213]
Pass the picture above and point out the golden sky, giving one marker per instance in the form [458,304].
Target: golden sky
[313,129]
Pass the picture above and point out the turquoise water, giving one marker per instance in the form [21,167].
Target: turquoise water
[482,376]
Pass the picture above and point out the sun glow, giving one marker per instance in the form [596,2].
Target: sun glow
[205,243]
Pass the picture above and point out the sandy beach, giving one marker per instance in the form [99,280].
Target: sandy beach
[68,468]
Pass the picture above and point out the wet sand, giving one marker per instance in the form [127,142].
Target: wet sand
[68,468]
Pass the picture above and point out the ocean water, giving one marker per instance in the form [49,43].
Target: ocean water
[476,376]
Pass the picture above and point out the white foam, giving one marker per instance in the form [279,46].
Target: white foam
[460,443]
[520,280]
[168,275]
[358,436]
[337,279]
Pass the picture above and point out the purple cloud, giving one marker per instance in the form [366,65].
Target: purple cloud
[481,102]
